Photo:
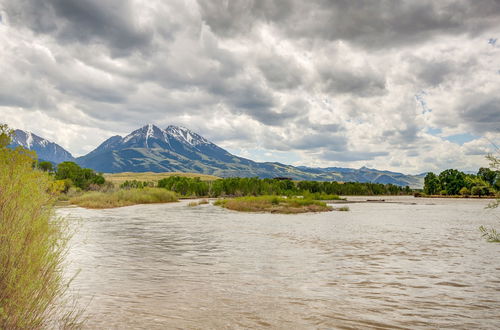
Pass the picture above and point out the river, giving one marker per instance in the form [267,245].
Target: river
[415,263]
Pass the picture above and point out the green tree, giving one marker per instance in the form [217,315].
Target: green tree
[452,181]
[431,184]
[6,135]
[81,177]
[46,166]
[487,175]
[464,191]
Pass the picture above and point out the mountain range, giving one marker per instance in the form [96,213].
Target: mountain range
[178,149]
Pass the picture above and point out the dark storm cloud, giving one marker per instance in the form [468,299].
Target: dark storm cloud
[434,71]
[373,24]
[361,82]
[248,97]
[483,115]
[403,137]
[237,17]
[280,72]
[111,22]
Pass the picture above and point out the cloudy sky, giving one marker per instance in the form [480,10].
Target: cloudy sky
[410,85]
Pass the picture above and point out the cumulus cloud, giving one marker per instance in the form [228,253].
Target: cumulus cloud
[344,83]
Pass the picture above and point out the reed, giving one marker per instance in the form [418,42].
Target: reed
[33,243]
[490,234]
[124,197]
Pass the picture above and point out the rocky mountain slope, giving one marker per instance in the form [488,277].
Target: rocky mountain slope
[45,149]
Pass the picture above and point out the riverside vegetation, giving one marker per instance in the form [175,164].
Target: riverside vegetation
[32,244]
[124,197]
[133,191]
[237,187]
[452,182]
[491,234]
[273,204]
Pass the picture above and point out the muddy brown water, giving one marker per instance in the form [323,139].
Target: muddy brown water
[380,265]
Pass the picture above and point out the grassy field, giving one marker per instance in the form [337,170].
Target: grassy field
[119,178]
[273,204]
[101,200]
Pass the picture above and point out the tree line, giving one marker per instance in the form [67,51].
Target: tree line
[70,174]
[256,187]
[454,182]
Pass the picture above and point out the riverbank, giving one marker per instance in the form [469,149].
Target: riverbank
[419,195]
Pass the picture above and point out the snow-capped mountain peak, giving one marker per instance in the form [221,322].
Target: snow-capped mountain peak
[185,135]
[147,136]
[45,149]
[28,140]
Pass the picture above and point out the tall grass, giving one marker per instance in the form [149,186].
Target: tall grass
[273,204]
[490,234]
[32,247]
[125,197]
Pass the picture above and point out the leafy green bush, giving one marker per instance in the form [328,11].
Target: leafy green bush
[464,191]
[80,177]
[136,184]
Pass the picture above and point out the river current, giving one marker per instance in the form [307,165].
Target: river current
[405,263]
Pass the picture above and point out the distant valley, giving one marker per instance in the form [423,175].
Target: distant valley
[178,149]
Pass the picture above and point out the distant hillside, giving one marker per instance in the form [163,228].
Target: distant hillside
[178,149]
[46,150]
[365,174]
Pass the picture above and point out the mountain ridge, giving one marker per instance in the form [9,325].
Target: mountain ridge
[45,149]
[178,149]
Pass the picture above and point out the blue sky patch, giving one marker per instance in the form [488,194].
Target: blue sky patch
[461,138]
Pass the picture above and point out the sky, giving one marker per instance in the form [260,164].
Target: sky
[409,86]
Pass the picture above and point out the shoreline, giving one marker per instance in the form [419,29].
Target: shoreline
[457,197]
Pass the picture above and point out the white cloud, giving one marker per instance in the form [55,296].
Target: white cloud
[315,83]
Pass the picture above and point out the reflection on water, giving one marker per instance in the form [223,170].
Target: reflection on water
[380,265]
